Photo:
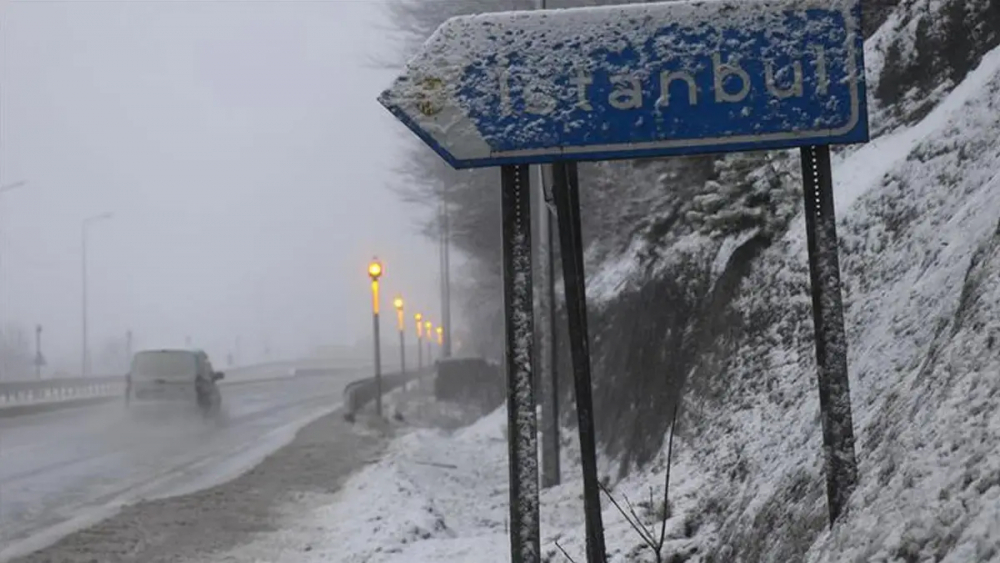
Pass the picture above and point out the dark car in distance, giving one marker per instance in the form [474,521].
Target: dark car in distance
[174,376]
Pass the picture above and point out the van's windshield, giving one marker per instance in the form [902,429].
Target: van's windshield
[164,365]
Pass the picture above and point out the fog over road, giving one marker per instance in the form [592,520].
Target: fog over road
[62,469]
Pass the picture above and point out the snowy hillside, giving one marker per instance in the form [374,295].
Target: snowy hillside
[711,296]
[920,233]
[920,213]
[920,263]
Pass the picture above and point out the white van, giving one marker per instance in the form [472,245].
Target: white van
[174,375]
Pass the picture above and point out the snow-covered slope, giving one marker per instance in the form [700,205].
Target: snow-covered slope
[919,211]
[921,257]
[920,235]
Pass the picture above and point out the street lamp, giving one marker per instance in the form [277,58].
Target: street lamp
[85,351]
[128,348]
[398,303]
[4,189]
[429,331]
[420,341]
[440,333]
[39,359]
[375,271]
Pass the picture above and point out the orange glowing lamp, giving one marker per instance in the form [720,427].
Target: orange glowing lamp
[375,269]
[375,272]
[398,303]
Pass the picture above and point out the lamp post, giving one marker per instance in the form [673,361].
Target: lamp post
[398,303]
[4,189]
[375,272]
[440,333]
[420,341]
[85,352]
[429,331]
[128,348]
[39,361]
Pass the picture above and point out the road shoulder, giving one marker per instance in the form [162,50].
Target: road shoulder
[199,526]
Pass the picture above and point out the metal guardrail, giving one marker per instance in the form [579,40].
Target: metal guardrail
[359,393]
[71,390]
[58,390]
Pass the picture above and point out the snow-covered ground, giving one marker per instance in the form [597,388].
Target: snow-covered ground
[441,497]
[921,258]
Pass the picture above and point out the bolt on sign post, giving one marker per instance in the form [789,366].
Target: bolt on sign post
[420,341]
[634,81]
[375,272]
[398,304]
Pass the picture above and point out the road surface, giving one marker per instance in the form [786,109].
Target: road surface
[65,469]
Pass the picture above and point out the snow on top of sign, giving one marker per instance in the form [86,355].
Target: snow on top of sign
[553,37]
[459,74]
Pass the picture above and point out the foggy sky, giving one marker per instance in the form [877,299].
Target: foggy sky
[242,152]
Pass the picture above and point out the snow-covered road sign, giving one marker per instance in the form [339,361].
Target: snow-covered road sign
[637,80]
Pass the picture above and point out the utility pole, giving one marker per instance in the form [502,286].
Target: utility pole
[445,275]
[429,332]
[85,354]
[128,346]
[4,189]
[38,352]
[85,351]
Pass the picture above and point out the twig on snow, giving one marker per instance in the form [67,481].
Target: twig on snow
[637,519]
[633,519]
[434,464]
[637,526]
[566,555]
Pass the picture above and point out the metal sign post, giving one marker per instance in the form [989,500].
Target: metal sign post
[521,423]
[566,191]
[828,322]
[548,361]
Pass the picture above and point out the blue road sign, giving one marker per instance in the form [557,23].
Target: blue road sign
[637,80]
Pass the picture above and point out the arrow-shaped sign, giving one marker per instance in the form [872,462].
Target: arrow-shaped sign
[637,80]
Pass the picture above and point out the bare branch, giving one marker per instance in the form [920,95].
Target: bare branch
[666,485]
[635,517]
[635,525]
[566,555]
